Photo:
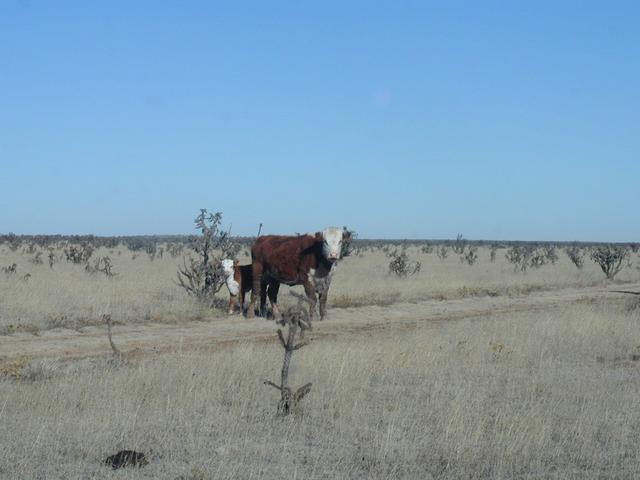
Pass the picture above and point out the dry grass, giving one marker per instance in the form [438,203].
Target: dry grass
[544,395]
[146,291]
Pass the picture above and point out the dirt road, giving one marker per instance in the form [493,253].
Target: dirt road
[135,340]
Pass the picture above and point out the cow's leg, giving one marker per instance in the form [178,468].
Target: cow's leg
[243,294]
[256,270]
[274,287]
[311,295]
[232,304]
[322,295]
[263,297]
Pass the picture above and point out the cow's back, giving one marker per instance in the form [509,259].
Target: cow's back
[285,258]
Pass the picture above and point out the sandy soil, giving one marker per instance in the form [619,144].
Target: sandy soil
[137,340]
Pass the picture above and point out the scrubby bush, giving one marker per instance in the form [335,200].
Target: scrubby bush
[401,266]
[576,255]
[79,253]
[471,256]
[611,259]
[203,276]
[427,249]
[459,245]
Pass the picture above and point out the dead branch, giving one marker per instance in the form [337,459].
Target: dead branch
[296,319]
[116,352]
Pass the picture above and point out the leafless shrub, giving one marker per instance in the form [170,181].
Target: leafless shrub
[152,250]
[51,257]
[471,256]
[494,250]
[348,243]
[79,253]
[611,259]
[117,354]
[37,259]
[101,264]
[296,319]
[576,255]
[203,276]
[443,252]
[635,247]
[400,264]
[427,249]
[519,256]
[30,249]
[550,253]
[537,258]
[10,269]
[459,245]
[13,241]
[175,249]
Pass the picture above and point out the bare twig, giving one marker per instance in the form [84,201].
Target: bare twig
[116,352]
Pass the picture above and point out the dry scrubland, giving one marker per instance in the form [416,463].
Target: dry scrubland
[145,290]
[542,394]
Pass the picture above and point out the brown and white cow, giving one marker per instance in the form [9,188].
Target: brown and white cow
[239,280]
[307,260]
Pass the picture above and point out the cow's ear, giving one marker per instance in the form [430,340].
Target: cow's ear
[346,235]
[236,263]
[319,236]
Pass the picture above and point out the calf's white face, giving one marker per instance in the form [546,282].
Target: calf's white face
[227,266]
[332,243]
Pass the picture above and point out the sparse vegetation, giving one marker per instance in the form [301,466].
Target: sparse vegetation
[203,276]
[401,266]
[576,255]
[611,259]
[471,256]
[459,245]
[101,264]
[443,252]
[296,319]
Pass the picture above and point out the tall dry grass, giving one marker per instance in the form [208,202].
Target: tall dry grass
[531,395]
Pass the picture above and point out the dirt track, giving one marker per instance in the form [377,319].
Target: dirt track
[135,340]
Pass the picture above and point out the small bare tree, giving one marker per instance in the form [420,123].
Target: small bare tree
[611,258]
[117,354]
[494,249]
[79,253]
[427,249]
[471,256]
[400,264]
[10,269]
[442,252]
[576,255]
[37,258]
[51,257]
[203,276]
[101,264]
[459,245]
[296,319]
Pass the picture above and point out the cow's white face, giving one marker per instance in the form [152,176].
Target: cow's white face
[332,243]
[227,266]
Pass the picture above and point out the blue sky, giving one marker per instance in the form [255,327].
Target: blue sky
[498,120]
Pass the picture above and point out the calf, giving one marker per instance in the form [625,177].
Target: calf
[307,260]
[239,280]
